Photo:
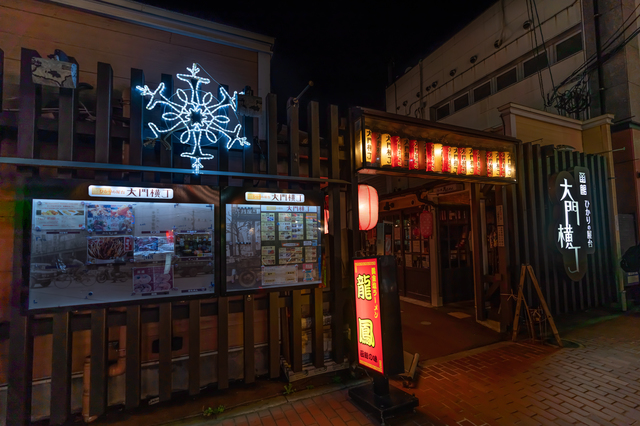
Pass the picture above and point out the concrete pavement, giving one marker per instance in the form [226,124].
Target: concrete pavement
[597,383]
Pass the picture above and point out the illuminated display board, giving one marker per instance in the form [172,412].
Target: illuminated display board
[573,226]
[272,240]
[92,251]
[369,328]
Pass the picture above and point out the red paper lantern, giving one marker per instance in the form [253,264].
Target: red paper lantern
[367,207]
[326,214]
[426,224]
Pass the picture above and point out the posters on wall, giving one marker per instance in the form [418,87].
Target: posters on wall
[90,252]
[286,249]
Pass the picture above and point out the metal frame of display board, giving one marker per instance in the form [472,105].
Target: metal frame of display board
[235,195]
[77,190]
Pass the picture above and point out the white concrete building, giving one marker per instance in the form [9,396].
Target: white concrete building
[494,60]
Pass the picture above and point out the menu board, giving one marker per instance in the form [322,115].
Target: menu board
[55,214]
[272,245]
[94,252]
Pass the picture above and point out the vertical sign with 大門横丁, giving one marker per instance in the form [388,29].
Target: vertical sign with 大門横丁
[368,323]
[573,225]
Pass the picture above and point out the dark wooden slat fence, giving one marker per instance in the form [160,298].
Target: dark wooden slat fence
[597,287]
[112,144]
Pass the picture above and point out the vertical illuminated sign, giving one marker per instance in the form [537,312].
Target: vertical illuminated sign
[385,150]
[396,151]
[508,167]
[493,169]
[375,148]
[368,323]
[462,161]
[446,161]
[368,147]
[429,157]
[437,157]
[573,224]
[468,158]
[414,155]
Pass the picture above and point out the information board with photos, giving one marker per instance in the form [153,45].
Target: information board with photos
[272,240]
[96,252]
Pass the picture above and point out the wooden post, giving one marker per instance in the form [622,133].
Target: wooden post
[136,124]
[166,154]
[335,230]
[103,117]
[164,344]
[60,404]
[477,253]
[20,338]
[313,129]
[67,118]
[503,255]
[28,103]
[98,387]
[272,138]
[249,342]
[132,372]
[194,347]
[274,330]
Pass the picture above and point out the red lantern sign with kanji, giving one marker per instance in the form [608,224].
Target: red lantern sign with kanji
[368,325]
[426,224]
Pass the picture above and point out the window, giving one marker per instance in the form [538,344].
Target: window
[482,92]
[568,47]
[507,79]
[442,112]
[535,64]
[461,102]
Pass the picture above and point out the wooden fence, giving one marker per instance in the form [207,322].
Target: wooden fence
[65,147]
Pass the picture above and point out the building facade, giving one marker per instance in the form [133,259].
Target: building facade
[542,55]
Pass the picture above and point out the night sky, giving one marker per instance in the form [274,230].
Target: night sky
[345,49]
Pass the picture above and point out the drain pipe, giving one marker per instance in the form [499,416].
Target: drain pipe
[116,369]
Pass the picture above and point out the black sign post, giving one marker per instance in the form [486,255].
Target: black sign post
[379,337]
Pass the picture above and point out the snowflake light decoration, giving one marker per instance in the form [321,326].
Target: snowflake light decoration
[196,114]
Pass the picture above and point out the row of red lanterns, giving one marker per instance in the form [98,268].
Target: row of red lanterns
[384,150]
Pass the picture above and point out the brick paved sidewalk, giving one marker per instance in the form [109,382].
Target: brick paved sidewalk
[519,383]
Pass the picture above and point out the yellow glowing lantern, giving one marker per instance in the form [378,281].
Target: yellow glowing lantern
[437,157]
[453,159]
[368,146]
[385,150]
[493,164]
[468,158]
[508,167]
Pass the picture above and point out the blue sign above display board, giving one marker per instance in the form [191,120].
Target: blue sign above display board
[271,240]
[89,248]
